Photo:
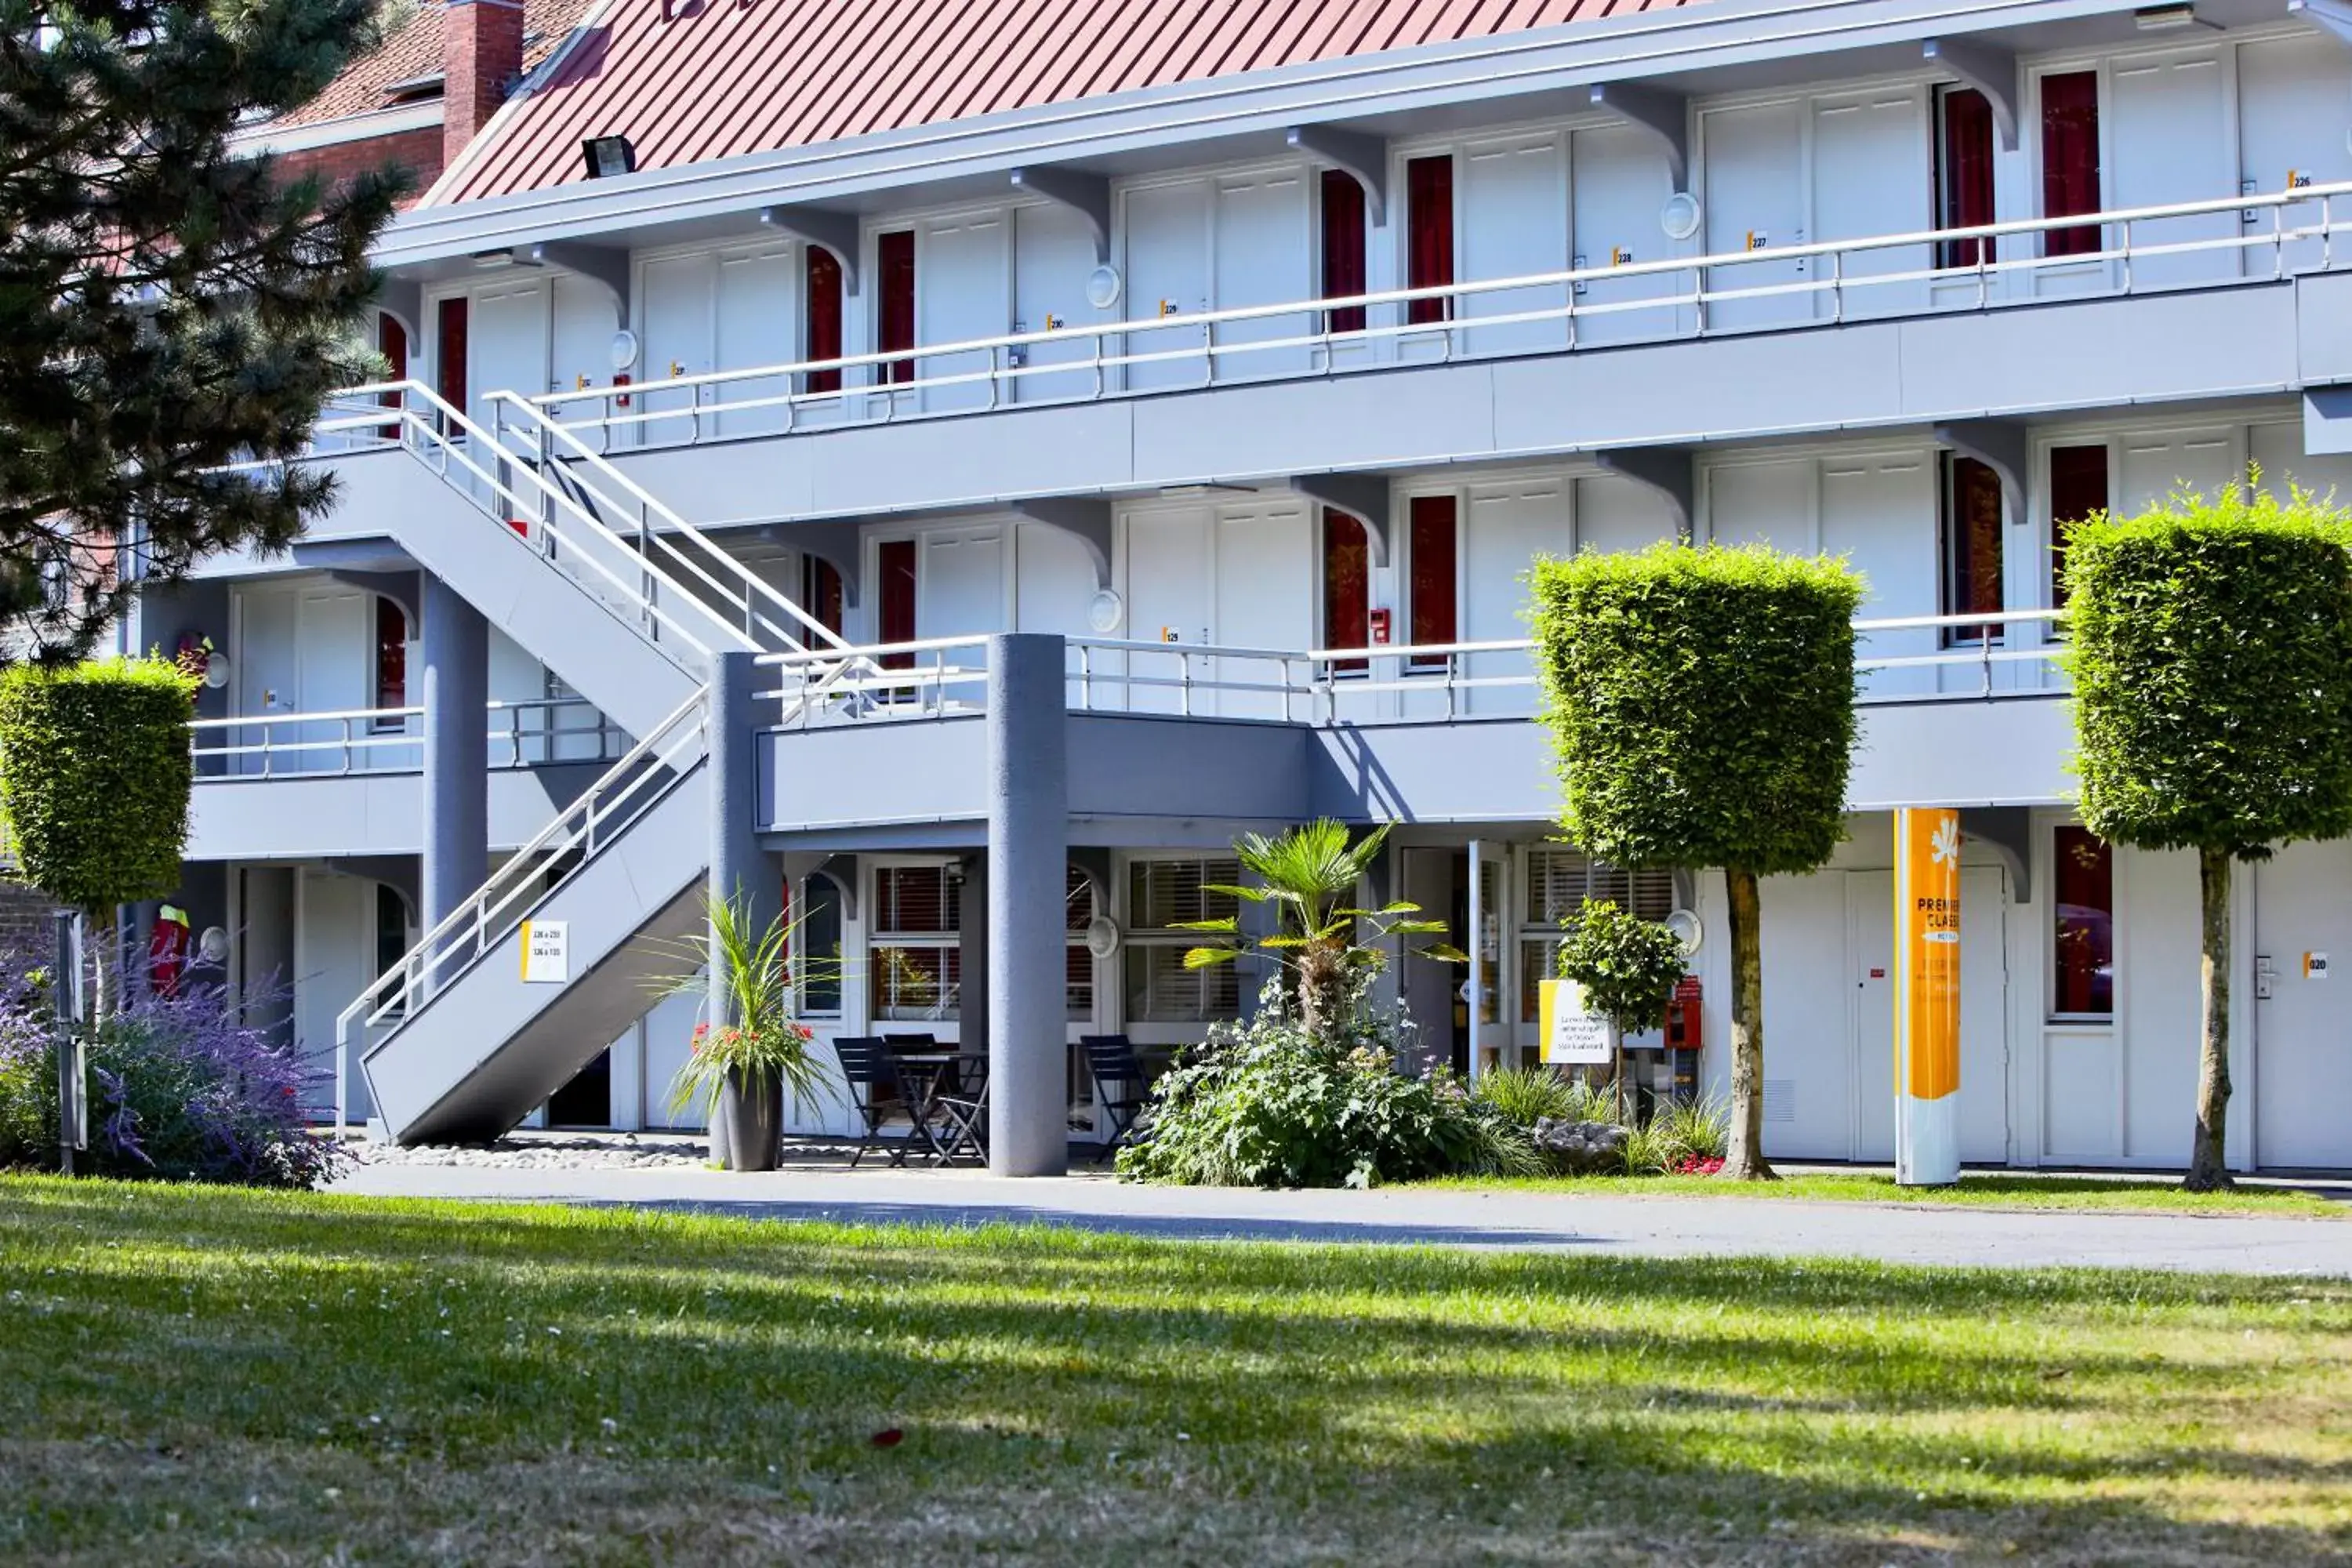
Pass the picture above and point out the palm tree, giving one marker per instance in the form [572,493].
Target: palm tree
[1308,874]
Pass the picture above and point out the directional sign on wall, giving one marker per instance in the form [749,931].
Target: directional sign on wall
[546,953]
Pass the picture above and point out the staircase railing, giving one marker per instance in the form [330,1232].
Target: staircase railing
[602,813]
[566,535]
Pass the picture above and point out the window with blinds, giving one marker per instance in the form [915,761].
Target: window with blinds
[1160,895]
[915,970]
[1560,883]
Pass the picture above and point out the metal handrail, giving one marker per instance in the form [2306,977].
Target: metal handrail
[427,431]
[513,733]
[1009,359]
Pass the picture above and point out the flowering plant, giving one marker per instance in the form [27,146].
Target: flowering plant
[763,1043]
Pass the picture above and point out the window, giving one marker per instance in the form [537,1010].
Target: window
[2070,160]
[896,622]
[1078,911]
[1561,882]
[2078,489]
[1430,547]
[1972,524]
[392,341]
[817,935]
[1428,235]
[1347,587]
[820,594]
[895,323]
[1343,249]
[1963,173]
[392,938]
[391,662]
[449,353]
[824,316]
[2084,936]
[1160,894]
[914,964]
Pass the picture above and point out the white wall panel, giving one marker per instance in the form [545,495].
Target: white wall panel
[1514,207]
[758,322]
[1807,1050]
[2293,115]
[2277,450]
[1167,236]
[1265,596]
[1768,502]
[1618,514]
[586,317]
[1871,176]
[677,295]
[2171,143]
[1264,250]
[1054,581]
[1619,181]
[1879,512]
[1506,526]
[2157,967]
[1755,192]
[1053,252]
[962,291]
[2156,466]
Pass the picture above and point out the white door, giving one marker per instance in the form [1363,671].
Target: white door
[1168,587]
[1264,565]
[2171,143]
[675,314]
[1620,184]
[337,643]
[1984,1014]
[509,350]
[757,307]
[267,676]
[1054,581]
[1756,200]
[1813,995]
[1508,527]
[585,320]
[1762,503]
[1053,254]
[1870,971]
[2154,466]
[2291,111]
[959,589]
[1514,225]
[2302,1031]
[1166,279]
[1879,514]
[1262,259]
[1870,177]
[961,292]
[334,939]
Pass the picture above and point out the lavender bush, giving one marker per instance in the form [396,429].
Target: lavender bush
[180,1088]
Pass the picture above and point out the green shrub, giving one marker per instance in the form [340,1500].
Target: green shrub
[1627,965]
[94,778]
[1701,708]
[2211,646]
[1269,1103]
[1680,1137]
[1524,1096]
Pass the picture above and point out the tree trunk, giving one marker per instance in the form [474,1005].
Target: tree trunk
[1744,1159]
[2209,1170]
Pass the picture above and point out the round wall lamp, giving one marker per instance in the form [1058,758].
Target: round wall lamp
[1679,218]
[216,669]
[625,350]
[1103,287]
[1102,936]
[213,945]
[1104,610]
[1689,929]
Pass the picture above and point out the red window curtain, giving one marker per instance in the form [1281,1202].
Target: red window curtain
[1346,586]
[2078,489]
[1429,243]
[895,331]
[1343,249]
[897,624]
[2084,925]
[1972,546]
[1966,175]
[2070,159]
[391,655]
[449,353]
[1432,546]
[392,341]
[824,317]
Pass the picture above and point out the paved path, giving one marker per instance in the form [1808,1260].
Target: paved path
[1658,1227]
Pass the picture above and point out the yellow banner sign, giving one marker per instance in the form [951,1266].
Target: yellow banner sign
[1927,951]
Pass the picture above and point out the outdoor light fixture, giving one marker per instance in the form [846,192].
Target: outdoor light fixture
[608,156]
[2164,18]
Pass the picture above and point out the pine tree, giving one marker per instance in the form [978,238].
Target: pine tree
[167,306]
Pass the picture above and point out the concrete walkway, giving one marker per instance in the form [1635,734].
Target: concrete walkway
[1658,1227]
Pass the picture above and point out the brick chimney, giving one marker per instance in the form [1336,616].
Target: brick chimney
[482,60]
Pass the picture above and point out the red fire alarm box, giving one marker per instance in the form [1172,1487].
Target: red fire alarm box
[1683,1033]
[622,380]
[1380,627]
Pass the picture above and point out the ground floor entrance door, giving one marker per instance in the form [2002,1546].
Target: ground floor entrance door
[2302,1028]
[1984,1014]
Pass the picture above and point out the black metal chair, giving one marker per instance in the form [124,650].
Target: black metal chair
[1112,1061]
[875,1090]
[911,1042]
[960,1099]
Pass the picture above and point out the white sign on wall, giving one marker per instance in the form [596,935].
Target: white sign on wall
[1573,1037]
[546,953]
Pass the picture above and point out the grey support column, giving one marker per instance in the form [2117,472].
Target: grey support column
[971,939]
[1028,849]
[456,693]
[739,870]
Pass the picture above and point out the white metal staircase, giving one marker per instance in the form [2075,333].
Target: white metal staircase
[454,1042]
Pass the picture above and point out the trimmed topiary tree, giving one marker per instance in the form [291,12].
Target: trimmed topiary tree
[1701,708]
[2211,648]
[94,779]
[1627,965]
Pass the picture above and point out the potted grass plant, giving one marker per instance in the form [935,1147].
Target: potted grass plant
[740,1068]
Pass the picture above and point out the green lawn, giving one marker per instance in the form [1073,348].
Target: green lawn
[198,1376]
[1988,1189]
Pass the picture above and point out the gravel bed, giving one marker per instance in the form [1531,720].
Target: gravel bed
[551,1152]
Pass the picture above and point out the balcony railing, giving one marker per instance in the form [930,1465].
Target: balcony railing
[391,740]
[2142,249]
[941,678]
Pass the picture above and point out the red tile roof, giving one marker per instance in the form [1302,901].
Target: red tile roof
[412,48]
[729,76]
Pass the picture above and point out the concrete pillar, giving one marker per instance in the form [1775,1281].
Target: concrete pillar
[457,694]
[972,935]
[1028,848]
[740,872]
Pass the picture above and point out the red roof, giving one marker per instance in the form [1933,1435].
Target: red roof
[730,76]
[411,53]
